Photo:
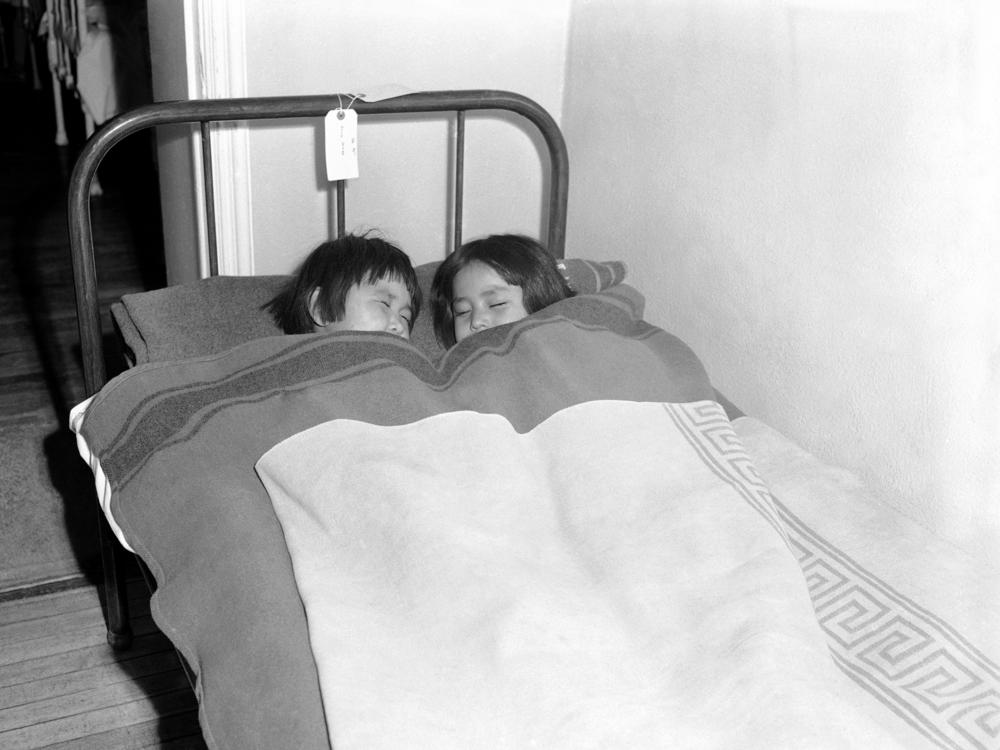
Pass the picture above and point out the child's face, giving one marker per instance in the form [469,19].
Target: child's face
[382,305]
[482,299]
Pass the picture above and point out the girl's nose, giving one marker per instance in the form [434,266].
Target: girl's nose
[479,321]
[396,325]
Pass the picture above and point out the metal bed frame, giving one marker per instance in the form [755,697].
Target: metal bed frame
[207,111]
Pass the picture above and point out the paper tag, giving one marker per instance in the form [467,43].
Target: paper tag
[341,144]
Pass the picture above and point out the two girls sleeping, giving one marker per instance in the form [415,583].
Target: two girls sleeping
[361,283]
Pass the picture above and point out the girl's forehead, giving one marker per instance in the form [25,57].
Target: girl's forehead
[391,284]
[477,276]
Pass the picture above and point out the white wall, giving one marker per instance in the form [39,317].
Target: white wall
[260,48]
[807,192]
[316,46]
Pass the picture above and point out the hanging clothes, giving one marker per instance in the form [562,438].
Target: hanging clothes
[81,55]
[95,65]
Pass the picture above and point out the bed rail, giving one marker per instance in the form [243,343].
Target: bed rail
[205,111]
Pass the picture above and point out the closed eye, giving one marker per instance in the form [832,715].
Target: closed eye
[498,304]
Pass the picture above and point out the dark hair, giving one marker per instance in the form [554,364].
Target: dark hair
[518,260]
[333,268]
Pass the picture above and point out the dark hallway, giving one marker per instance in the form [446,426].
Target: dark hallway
[61,685]
[48,524]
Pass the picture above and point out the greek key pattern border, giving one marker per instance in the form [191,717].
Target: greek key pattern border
[907,657]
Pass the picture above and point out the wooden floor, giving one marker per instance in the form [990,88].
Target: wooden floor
[62,686]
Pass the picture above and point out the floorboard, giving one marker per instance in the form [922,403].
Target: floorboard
[61,685]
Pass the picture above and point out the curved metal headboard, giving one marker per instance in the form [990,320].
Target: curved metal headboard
[205,111]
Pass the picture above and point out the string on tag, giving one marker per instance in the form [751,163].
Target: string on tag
[340,114]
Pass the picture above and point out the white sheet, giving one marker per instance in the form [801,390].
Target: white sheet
[76,415]
[612,578]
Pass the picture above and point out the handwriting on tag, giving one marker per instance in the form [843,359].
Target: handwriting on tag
[341,141]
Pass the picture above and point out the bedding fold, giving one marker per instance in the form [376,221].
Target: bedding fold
[178,441]
[549,536]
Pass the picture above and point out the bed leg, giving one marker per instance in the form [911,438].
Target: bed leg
[115,595]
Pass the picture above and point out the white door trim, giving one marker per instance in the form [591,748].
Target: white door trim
[216,64]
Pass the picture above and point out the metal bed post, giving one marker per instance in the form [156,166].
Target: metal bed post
[459,176]
[204,111]
[341,186]
[209,175]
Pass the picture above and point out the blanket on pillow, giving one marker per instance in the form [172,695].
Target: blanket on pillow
[614,576]
[178,442]
[214,314]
